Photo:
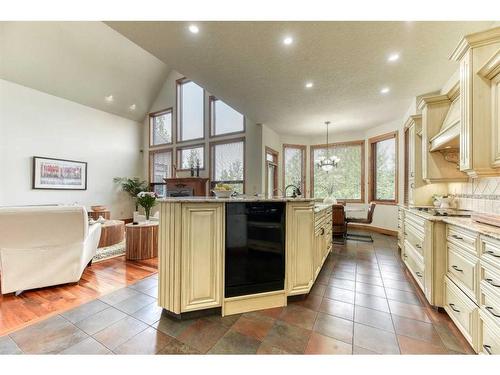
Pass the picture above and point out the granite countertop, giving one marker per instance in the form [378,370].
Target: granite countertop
[464,222]
[234,200]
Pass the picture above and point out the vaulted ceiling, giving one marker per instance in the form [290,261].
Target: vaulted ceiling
[247,65]
[83,62]
[244,63]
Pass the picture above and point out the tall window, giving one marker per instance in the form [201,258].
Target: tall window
[228,163]
[191,156]
[190,101]
[384,168]
[344,182]
[224,119]
[160,127]
[160,167]
[294,166]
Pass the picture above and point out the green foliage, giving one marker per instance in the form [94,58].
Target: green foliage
[293,175]
[385,170]
[132,186]
[343,181]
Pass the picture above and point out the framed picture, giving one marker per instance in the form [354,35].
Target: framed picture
[59,174]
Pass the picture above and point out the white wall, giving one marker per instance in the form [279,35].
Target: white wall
[33,123]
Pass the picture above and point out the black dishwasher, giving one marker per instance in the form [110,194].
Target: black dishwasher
[255,248]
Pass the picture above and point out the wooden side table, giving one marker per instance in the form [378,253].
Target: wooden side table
[142,241]
[112,232]
[95,214]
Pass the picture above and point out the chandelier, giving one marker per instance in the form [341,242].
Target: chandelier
[327,163]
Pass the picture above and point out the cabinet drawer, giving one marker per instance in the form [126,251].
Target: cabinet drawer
[462,311]
[490,250]
[463,269]
[490,304]
[489,335]
[490,278]
[417,221]
[415,264]
[415,238]
[465,239]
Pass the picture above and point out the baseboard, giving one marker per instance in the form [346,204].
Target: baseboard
[371,228]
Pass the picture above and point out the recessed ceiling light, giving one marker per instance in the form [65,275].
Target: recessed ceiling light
[393,57]
[385,90]
[109,98]
[288,40]
[309,85]
[132,107]
[194,29]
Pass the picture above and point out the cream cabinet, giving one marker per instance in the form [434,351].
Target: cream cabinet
[424,254]
[201,256]
[191,251]
[437,166]
[479,139]
[300,247]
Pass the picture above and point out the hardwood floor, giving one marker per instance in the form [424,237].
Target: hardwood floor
[99,279]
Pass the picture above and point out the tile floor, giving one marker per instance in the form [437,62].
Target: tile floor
[363,302]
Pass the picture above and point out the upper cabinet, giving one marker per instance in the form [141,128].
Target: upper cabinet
[417,192]
[478,55]
[440,137]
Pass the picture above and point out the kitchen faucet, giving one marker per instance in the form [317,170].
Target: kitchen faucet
[296,191]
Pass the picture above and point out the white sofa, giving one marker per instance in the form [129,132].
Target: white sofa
[44,246]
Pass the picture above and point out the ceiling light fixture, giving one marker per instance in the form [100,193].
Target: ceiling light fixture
[194,29]
[288,40]
[109,98]
[393,57]
[327,163]
[385,90]
[309,85]
[132,107]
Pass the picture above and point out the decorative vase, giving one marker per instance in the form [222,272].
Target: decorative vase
[148,213]
[136,216]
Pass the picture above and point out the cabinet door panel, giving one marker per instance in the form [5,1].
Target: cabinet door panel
[300,248]
[201,256]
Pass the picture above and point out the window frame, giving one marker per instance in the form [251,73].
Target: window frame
[275,154]
[178,111]
[178,158]
[212,123]
[159,151]
[303,149]
[349,143]
[212,155]
[372,166]
[156,114]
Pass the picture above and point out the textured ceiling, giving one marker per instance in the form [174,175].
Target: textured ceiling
[82,62]
[247,65]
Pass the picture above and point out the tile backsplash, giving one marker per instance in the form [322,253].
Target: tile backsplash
[480,194]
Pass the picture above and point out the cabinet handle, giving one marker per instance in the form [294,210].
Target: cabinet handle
[452,305]
[488,349]
[457,237]
[490,281]
[492,253]
[457,269]
[405,256]
[405,233]
[418,246]
[492,311]
[412,174]
[322,231]
[418,274]
[412,185]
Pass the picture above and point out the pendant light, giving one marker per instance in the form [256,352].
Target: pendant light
[329,162]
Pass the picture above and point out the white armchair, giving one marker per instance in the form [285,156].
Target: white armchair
[44,246]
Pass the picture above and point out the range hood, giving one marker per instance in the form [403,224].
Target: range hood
[449,134]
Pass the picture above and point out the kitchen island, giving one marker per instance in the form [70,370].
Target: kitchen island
[192,251]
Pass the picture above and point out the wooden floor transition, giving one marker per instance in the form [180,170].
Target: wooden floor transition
[99,279]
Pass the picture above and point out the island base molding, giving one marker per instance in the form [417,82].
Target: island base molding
[254,302]
[193,314]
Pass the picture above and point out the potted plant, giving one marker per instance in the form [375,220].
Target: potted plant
[147,200]
[132,186]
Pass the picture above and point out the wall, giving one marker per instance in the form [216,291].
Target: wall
[481,194]
[35,123]
[166,98]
